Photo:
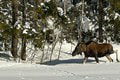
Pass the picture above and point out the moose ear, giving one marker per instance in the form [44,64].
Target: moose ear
[83,44]
[79,44]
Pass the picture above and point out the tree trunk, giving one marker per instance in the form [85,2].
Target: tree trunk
[100,17]
[14,46]
[53,47]
[79,28]
[14,43]
[43,53]
[46,55]
[41,1]
[23,47]
[65,9]
[80,22]
[5,45]
[59,50]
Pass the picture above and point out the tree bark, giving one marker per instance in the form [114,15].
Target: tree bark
[100,22]
[80,22]
[14,43]
[53,47]
[23,47]
[59,50]
[65,9]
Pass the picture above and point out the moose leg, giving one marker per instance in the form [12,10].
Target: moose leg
[117,55]
[96,58]
[85,60]
[109,58]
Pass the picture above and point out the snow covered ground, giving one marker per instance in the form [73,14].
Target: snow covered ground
[71,71]
[67,68]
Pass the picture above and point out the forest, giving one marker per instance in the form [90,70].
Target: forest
[27,26]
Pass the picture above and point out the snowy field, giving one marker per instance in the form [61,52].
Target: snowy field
[71,71]
[67,68]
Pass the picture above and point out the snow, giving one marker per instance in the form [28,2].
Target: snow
[25,31]
[16,23]
[42,4]
[67,68]
[7,21]
[27,25]
[47,0]
[60,10]
[73,71]
[116,15]
[50,22]
[34,30]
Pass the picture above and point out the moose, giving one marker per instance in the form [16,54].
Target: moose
[94,49]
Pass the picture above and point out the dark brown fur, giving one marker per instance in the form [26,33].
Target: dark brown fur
[93,49]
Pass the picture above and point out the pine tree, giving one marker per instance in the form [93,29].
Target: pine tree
[114,20]
[14,44]
[100,20]
[23,36]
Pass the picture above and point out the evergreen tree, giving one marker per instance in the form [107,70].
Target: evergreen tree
[23,36]
[14,43]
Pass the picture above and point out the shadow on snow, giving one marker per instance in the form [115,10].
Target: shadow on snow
[5,56]
[69,61]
